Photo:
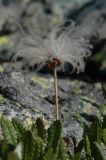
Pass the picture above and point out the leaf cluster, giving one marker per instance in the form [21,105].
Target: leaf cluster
[38,143]
[34,143]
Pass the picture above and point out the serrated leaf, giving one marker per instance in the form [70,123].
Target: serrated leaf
[77,156]
[49,154]
[78,117]
[4,149]
[101,108]
[98,151]
[104,129]
[87,145]
[13,156]
[79,147]
[104,136]
[62,152]
[39,149]
[28,146]
[54,134]
[95,132]
[9,132]
[41,131]
[104,89]
[104,122]
[33,147]
[20,129]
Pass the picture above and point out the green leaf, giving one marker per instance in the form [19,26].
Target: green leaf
[78,117]
[98,151]
[41,131]
[79,147]
[104,122]
[87,146]
[28,146]
[95,132]
[39,149]
[20,129]
[54,134]
[104,136]
[4,149]
[49,154]
[77,156]
[33,147]
[13,156]
[104,129]
[1,100]
[62,152]
[104,89]
[9,132]
[101,108]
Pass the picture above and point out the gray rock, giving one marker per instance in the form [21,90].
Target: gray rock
[96,15]
[83,12]
[25,95]
[9,17]
[14,87]
[36,21]
[63,7]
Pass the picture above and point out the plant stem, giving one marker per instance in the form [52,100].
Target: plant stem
[56,93]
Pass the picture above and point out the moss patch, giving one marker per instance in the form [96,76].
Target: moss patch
[43,82]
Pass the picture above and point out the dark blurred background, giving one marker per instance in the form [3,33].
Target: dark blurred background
[39,16]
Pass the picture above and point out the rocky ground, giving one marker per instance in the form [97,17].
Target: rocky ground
[26,94]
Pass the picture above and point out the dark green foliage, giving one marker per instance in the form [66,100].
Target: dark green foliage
[99,151]
[76,157]
[78,117]
[100,58]
[9,131]
[62,153]
[87,146]
[54,134]
[104,122]
[104,89]
[20,129]
[78,148]
[13,156]
[28,146]
[104,129]
[37,143]
[41,131]
[32,144]
[49,155]
[4,149]
[104,136]
[95,132]
[94,141]
[33,147]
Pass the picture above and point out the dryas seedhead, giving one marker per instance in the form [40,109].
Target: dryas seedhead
[65,43]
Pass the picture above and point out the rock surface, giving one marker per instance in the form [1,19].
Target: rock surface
[26,94]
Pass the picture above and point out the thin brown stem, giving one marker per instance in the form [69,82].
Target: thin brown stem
[56,93]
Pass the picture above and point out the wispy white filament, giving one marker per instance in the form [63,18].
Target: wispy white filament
[65,43]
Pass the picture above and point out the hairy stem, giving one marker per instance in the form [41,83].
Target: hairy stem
[56,93]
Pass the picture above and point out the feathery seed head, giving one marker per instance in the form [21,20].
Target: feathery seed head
[68,43]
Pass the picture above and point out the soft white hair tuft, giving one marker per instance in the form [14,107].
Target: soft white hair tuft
[68,43]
